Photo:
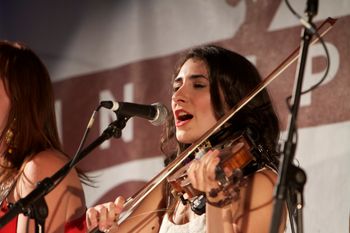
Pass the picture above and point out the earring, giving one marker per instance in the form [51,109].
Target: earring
[9,140]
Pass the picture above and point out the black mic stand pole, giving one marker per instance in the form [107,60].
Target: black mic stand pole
[292,178]
[34,205]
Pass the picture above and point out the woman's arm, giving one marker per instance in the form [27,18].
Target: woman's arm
[251,213]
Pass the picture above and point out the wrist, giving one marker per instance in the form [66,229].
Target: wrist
[220,200]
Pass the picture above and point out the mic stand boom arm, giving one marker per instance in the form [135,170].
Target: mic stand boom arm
[33,205]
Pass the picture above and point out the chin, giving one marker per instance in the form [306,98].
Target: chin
[186,139]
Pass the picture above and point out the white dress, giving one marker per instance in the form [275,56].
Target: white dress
[197,225]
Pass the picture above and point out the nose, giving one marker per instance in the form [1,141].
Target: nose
[179,95]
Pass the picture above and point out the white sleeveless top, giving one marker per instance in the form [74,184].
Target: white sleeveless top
[197,225]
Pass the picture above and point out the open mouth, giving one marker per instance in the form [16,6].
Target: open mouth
[182,116]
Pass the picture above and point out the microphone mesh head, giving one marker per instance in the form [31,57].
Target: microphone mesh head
[162,113]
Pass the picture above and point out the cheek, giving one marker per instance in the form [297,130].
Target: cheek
[204,103]
[210,120]
[208,113]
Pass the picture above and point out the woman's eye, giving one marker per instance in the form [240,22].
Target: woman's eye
[198,85]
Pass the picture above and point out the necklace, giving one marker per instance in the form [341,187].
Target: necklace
[5,189]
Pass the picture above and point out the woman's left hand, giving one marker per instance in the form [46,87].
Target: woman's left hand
[202,172]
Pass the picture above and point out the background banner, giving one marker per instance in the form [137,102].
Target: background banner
[127,50]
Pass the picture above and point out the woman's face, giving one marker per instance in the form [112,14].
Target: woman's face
[191,102]
[4,106]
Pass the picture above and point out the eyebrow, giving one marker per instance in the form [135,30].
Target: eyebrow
[192,77]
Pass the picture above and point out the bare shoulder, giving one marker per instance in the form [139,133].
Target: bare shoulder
[261,187]
[69,191]
[256,202]
[44,164]
[264,178]
[252,212]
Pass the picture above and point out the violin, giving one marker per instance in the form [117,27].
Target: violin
[239,155]
[142,212]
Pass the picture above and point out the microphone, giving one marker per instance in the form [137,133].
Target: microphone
[156,113]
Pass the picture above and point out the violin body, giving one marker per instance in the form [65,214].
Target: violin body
[147,216]
[235,155]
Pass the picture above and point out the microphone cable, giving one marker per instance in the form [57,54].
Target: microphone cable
[314,31]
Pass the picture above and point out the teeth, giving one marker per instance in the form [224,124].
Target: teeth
[182,114]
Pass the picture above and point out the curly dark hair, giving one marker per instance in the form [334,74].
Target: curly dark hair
[232,76]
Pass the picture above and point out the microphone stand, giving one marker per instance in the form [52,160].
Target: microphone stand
[291,178]
[34,205]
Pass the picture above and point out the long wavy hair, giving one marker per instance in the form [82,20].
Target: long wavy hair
[31,116]
[233,77]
